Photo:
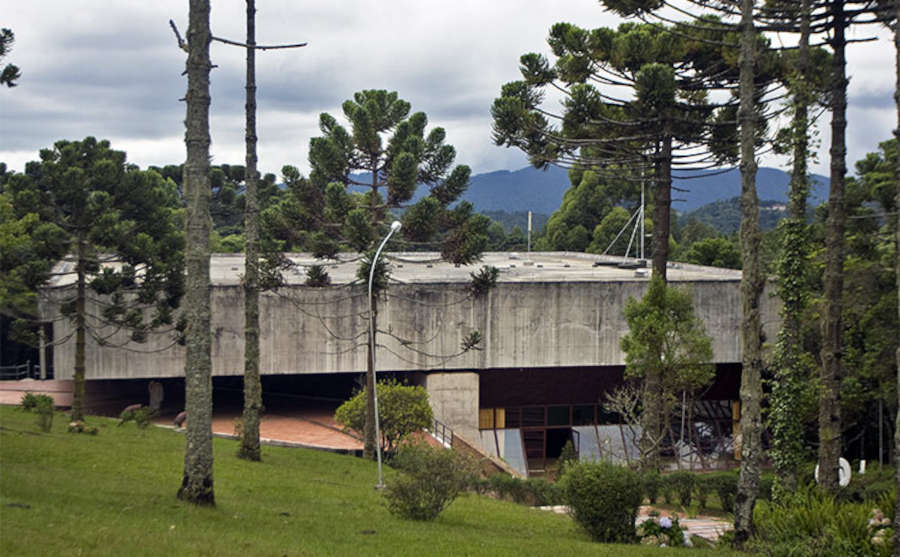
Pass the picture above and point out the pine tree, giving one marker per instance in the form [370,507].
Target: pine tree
[10,72]
[117,223]
[363,178]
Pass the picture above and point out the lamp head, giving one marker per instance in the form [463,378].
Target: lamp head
[395,226]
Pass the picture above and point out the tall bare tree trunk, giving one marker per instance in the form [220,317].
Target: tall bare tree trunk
[751,290]
[790,368]
[78,389]
[662,203]
[252,389]
[897,267]
[830,394]
[197,485]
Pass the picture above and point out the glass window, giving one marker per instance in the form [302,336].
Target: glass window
[558,415]
[583,414]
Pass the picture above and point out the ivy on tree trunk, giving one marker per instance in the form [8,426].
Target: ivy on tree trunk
[897,266]
[829,399]
[751,290]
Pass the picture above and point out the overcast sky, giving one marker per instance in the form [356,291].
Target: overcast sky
[111,69]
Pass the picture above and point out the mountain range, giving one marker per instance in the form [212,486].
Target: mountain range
[541,191]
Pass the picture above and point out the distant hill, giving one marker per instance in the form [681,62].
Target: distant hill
[541,191]
[725,215]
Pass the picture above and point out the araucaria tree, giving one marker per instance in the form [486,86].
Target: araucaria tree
[197,483]
[118,225]
[665,340]
[363,177]
[10,73]
[638,103]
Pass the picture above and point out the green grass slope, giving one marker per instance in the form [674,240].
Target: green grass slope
[114,494]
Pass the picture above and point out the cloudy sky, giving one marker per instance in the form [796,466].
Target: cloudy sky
[111,69]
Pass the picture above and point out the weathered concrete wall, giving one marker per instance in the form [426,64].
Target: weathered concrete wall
[524,324]
[454,401]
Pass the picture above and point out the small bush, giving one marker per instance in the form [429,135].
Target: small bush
[44,409]
[725,485]
[603,499]
[432,478]
[567,455]
[667,489]
[140,416]
[651,483]
[30,401]
[531,491]
[683,484]
[663,531]
[703,490]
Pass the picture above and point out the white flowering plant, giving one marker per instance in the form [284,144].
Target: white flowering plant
[880,531]
[662,531]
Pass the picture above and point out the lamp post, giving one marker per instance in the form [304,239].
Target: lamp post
[395,226]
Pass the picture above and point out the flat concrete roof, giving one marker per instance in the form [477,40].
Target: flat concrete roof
[427,267]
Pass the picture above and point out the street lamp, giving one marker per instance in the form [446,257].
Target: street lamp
[395,226]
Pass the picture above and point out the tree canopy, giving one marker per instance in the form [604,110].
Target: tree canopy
[118,224]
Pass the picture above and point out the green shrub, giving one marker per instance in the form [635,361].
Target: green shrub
[814,524]
[30,401]
[683,484]
[667,489]
[140,416]
[662,531]
[531,491]
[44,409]
[651,482]
[766,487]
[508,487]
[431,479]
[703,489]
[567,455]
[543,493]
[402,409]
[875,484]
[603,499]
[725,485]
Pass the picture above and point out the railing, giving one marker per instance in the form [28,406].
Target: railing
[442,433]
[21,371]
[28,370]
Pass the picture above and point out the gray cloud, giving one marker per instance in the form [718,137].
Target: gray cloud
[112,69]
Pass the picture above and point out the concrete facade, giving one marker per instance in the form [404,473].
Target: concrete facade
[533,318]
[548,310]
[454,400]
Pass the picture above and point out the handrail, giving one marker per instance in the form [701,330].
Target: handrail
[442,433]
[20,371]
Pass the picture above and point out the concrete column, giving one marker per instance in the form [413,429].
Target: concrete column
[454,400]
[42,347]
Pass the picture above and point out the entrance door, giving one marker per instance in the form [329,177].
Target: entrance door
[534,442]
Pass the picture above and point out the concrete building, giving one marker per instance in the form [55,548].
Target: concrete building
[550,350]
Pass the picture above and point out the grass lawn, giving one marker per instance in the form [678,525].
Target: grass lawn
[114,494]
